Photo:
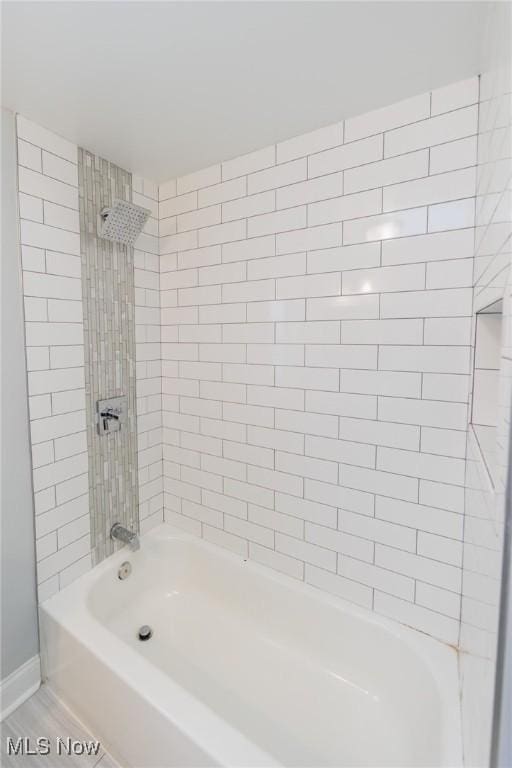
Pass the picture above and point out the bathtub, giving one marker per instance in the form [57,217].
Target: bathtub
[245,667]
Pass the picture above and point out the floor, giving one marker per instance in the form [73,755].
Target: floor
[44,716]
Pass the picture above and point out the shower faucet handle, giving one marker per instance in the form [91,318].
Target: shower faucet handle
[110,414]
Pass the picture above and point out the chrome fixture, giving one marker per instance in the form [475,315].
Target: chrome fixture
[145,632]
[122,222]
[121,533]
[124,570]
[110,414]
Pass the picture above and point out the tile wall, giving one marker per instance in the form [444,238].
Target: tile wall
[316,301]
[488,449]
[109,334]
[52,287]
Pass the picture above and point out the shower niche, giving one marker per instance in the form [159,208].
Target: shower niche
[486,381]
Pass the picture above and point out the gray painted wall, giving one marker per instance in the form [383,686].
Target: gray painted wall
[19,608]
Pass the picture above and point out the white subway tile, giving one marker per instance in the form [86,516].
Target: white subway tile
[204,217]
[427,413]
[309,553]
[397,384]
[424,518]
[266,311]
[456,244]
[341,451]
[275,439]
[377,530]
[443,386]
[304,466]
[254,161]
[456,215]
[308,423]
[307,286]
[422,465]
[343,308]
[341,356]
[441,627]
[60,169]
[439,303]
[341,404]
[347,207]
[383,483]
[440,548]
[310,191]
[29,156]
[339,586]
[43,236]
[276,521]
[30,207]
[393,116]
[277,266]
[307,378]
[222,233]
[264,202]
[172,207]
[346,498]
[385,226]
[254,290]
[426,359]
[220,193]
[380,433]
[455,96]
[253,494]
[278,481]
[281,221]
[275,397]
[435,130]
[279,562]
[437,574]
[308,333]
[55,191]
[408,277]
[381,332]
[203,178]
[414,165]
[453,155]
[273,354]
[41,137]
[312,238]
[256,248]
[198,257]
[307,143]
[434,189]
[280,176]
[346,156]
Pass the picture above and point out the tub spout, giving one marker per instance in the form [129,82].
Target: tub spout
[121,533]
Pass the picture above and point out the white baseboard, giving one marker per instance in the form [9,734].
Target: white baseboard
[19,685]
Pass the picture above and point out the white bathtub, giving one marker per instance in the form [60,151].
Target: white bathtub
[245,667]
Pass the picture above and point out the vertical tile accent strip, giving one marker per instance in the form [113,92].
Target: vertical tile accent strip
[109,332]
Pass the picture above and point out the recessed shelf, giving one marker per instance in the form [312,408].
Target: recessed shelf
[486,371]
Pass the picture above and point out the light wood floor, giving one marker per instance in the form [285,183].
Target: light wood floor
[43,715]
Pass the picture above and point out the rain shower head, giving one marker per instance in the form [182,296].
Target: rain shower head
[122,222]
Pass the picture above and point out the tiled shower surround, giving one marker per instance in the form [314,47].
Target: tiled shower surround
[109,333]
[316,330]
[303,319]
[54,328]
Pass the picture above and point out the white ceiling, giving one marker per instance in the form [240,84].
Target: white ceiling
[165,88]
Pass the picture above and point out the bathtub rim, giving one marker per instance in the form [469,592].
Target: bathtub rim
[69,609]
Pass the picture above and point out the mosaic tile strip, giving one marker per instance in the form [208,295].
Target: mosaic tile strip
[109,332]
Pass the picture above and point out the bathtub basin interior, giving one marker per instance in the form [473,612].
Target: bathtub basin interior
[302,678]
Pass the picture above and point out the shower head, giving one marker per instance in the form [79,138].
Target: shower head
[122,222]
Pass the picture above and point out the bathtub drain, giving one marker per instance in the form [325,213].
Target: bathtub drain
[145,632]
